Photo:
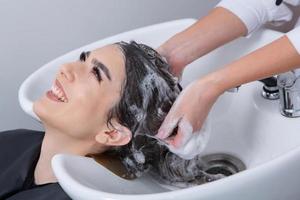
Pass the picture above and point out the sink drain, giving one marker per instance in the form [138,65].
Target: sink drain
[222,164]
[206,169]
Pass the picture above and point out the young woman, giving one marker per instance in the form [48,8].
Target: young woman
[111,99]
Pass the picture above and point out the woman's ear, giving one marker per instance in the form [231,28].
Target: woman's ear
[118,136]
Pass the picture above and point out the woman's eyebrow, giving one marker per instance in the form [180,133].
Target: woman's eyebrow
[102,67]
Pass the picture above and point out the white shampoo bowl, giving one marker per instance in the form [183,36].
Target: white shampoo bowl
[243,124]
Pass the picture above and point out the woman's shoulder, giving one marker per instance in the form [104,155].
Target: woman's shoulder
[18,144]
[20,137]
[45,192]
[21,133]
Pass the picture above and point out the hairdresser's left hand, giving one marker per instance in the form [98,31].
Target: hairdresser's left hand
[176,62]
[189,112]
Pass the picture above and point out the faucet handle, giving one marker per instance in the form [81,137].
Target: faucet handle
[289,92]
[270,89]
[296,72]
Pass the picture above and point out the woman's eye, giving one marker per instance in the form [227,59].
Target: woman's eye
[97,74]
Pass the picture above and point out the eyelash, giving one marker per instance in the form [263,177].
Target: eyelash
[82,57]
[97,73]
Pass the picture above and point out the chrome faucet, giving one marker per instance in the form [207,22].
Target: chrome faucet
[286,88]
[289,92]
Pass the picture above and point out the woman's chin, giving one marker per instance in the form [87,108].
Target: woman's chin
[48,113]
[41,109]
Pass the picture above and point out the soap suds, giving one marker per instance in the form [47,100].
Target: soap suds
[139,157]
[193,143]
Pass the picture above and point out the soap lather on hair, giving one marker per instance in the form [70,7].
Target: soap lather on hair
[142,108]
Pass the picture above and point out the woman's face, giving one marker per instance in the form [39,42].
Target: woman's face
[80,105]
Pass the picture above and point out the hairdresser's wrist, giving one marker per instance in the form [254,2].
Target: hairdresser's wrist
[173,58]
[213,83]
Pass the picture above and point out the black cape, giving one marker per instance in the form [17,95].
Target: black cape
[19,153]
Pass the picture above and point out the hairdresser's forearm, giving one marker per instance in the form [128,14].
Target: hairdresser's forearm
[275,58]
[217,28]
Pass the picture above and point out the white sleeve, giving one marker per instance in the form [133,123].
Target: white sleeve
[294,37]
[254,13]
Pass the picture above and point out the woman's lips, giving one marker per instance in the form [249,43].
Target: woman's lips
[57,83]
[51,96]
[58,94]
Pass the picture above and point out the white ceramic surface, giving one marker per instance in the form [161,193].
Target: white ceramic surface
[244,125]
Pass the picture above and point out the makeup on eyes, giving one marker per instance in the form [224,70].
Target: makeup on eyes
[96,71]
[98,66]
[102,67]
[278,2]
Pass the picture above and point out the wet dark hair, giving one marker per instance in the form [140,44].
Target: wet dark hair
[146,97]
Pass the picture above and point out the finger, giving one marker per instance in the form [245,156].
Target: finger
[178,140]
[167,127]
[169,141]
[184,133]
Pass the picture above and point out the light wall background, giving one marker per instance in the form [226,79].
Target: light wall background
[33,32]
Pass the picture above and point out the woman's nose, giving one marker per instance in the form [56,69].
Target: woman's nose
[67,72]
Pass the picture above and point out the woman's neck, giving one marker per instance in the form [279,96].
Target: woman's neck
[55,142]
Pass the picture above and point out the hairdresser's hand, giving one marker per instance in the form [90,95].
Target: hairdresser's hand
[176,63]
[189,113]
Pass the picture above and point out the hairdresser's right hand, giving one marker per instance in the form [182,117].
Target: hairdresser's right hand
[188,113]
